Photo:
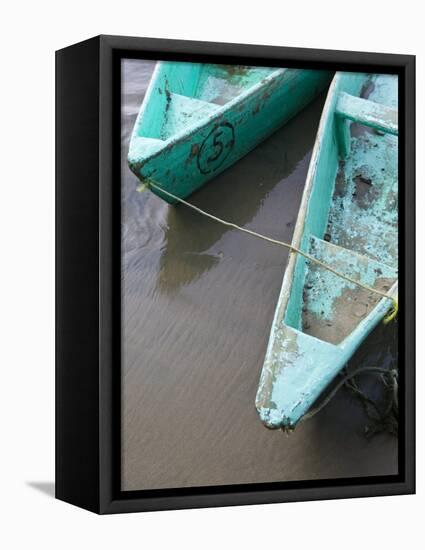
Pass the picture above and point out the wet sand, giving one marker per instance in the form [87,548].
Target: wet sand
[198,302]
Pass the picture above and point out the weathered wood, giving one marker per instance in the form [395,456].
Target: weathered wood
[350,108]
[198,119]
[348,220]
[368,113]
[342,134]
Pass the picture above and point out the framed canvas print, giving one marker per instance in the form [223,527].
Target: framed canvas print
[235,274]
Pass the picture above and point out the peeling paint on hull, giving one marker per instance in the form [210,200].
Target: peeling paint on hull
[196,120]
[348,218]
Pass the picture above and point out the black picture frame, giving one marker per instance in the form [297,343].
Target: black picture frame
[88,325]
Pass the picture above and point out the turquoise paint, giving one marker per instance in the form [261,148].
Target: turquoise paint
[375,115]
[320,319]
[326,287]
[196,120]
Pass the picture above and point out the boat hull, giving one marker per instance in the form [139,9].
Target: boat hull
[221,134]
[348,220]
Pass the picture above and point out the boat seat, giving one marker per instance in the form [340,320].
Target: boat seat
[332,306]
[363,111]
[183,110]
[140,147]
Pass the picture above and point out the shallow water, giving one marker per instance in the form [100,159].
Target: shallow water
[198,302]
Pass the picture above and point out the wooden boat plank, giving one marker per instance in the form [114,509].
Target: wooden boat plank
[363,211]
[368,113]
[332,306]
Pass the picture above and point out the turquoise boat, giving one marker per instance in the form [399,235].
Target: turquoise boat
[348,219]
[198,119]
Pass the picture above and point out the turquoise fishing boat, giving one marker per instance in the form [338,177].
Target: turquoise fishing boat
[197,119]
[348,220]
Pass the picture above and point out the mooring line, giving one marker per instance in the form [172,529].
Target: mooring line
[389,317]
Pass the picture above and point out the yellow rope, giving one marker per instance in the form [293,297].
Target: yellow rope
[389,317]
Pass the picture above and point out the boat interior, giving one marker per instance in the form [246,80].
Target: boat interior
[188,92]
[351,217]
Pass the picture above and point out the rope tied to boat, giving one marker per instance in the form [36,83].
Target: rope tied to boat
[388,318]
